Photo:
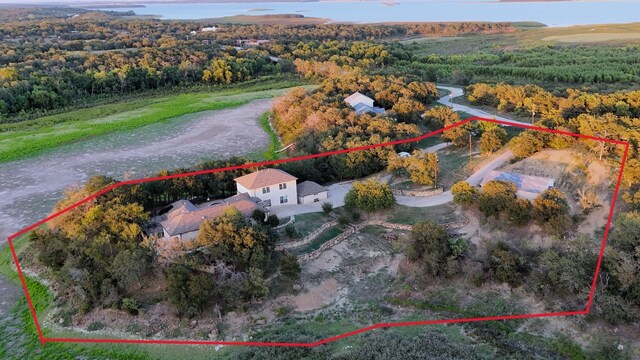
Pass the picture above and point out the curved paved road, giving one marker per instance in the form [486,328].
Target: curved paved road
[445,197]
[457,92]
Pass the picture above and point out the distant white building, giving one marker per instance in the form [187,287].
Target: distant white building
[209,29]
[271,185]
[358,98]
[527,186]
[363,104]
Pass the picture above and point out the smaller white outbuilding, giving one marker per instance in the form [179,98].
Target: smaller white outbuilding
[310,192]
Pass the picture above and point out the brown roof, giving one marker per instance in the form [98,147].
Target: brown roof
[262,178]
[185,217]
[310,188]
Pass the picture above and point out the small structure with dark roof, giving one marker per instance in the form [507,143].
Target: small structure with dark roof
[310,192]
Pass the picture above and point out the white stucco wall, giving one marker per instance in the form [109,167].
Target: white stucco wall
[274,193]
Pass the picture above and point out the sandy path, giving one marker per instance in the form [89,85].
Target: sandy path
[29,188]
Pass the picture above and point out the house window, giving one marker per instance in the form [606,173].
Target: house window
[283,186]
[284,199]
[266,190]
[316,200]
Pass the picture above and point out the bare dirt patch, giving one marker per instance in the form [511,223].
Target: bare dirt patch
[31,187]
[317,296]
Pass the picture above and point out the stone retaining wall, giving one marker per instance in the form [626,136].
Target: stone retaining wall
[309,238]
[352,229]
[292,218]
[423,193]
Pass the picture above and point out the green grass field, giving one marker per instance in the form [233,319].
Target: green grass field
[275,145]
[441,214]
[28,138]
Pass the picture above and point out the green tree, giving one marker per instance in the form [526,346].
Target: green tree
[430,242]
[519,212]
[463,193]
[256,286]
[506,265]
[370,196]
[625,234]
[290,267]
[496,196]
[549,204]
[128,267]
[526,144]
[422,167]
[492,140]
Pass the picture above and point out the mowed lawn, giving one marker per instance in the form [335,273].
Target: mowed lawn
[28,138]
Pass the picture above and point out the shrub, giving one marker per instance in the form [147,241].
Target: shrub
[463,193]
[519,212]
[430,243]
[291,231]
[273,220]
[551,203]
[130,305]
[369,196]
[290,267]
[506,265]
[458,247]
[327,207]
[496,196]
[258,215]
[94,326]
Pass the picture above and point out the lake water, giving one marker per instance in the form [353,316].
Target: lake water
[561,13]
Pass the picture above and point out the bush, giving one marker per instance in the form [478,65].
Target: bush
[463,193]
[519,212]
[496,196]
[327,207]
[291,231]
[130,305]
[551,203]
[259,216]
[273,220]
[559,225]
[290,267]
[506,265]
[343,220]
[369,196]
[94,326]
[431,244]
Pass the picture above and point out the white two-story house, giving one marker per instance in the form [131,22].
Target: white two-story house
[272,185]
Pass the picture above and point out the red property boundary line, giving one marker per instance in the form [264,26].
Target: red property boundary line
[585,311]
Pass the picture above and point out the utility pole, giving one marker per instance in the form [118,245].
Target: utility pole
[435,165]
[470,155]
